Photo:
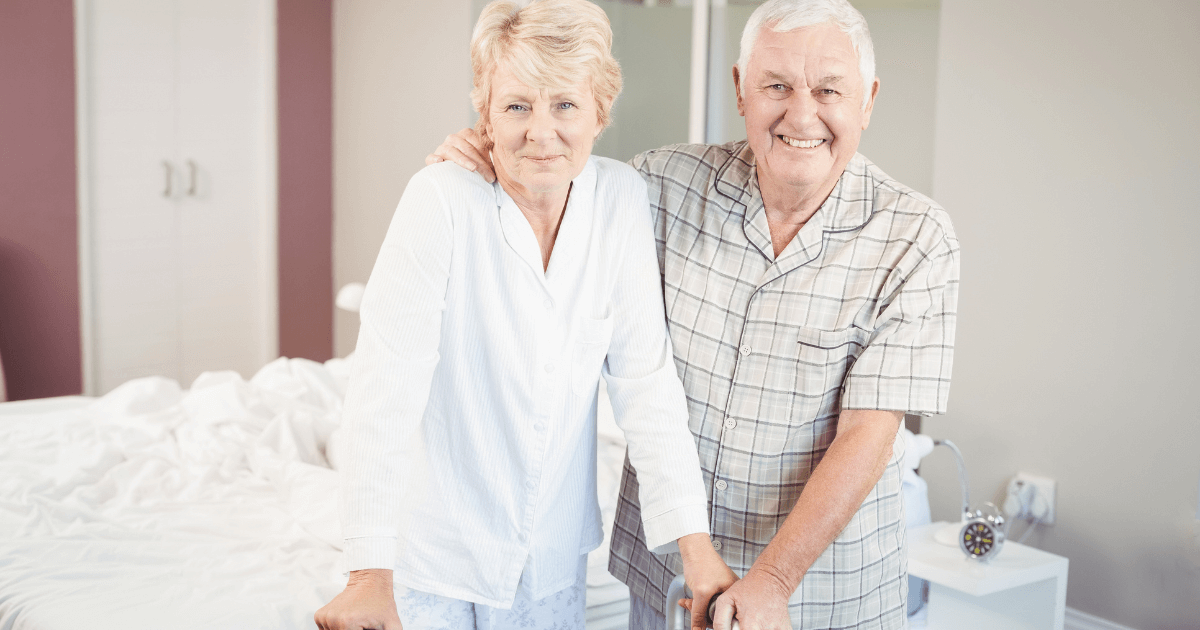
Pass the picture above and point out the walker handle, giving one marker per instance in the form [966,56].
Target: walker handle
[679,618]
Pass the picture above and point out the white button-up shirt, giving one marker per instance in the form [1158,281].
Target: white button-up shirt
[470,419]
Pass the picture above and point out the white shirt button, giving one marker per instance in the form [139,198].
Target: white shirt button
[721,485]
[523,537]
[730,423]
[539,427]
[717,545]
[530,484]
[549,304]
[746,350]
[549,368]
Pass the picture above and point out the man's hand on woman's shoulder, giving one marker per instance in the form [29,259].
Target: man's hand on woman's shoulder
[367,602]
[466,149]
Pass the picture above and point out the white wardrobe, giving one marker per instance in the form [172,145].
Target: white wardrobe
[176,102]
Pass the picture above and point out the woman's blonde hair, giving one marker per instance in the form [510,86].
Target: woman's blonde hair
[547,44]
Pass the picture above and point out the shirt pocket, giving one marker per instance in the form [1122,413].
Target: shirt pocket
[591,347]
[823,358]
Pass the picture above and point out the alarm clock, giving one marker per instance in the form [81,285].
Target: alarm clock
[982,531]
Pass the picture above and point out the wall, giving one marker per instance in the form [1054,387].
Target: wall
[39,265]
[653,46]
[305,80]
[401,84]
[900,138]
[1066,153]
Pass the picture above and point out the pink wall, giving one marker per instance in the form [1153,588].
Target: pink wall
[39,264]
[306,178]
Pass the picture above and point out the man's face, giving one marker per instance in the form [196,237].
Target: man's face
[802,95]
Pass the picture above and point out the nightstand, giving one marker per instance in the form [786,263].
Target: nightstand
[1021,589]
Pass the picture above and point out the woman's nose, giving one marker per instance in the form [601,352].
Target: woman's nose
[542,126]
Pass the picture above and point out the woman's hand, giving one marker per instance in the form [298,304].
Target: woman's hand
[468,150]
[706,575]
[366,603]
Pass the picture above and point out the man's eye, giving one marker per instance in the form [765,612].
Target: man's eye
[778,87]
[566,105]
[515,108]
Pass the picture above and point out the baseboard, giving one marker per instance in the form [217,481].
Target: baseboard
[1077,620]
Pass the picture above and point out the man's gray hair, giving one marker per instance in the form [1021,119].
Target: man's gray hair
[788,15]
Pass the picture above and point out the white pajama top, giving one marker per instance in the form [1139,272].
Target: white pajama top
[470,418]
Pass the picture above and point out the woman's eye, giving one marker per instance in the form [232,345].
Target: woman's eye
[515,108]
[566,105]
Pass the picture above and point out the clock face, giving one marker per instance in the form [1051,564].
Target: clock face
[978,539]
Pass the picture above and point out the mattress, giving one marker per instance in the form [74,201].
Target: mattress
[213,507]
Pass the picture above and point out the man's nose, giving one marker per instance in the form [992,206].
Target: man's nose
[801,109]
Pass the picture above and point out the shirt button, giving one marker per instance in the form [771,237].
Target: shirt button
[549,368]
[549,304]
[721,485]
[730,423]
[523,538]
[746,350]
[530,484]
[539,427]
[717,545]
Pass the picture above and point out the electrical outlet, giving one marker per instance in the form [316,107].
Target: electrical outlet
[1038,494]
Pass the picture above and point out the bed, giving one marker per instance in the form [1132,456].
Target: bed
[210,507]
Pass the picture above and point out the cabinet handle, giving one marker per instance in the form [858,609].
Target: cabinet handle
[191,178]
[170,175]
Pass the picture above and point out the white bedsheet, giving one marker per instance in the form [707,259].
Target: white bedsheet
[153,507]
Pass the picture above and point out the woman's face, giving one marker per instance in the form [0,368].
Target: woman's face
[542,137]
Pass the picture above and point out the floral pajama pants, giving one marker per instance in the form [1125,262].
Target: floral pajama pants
[563,610]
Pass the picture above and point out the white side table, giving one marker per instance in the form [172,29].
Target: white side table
[1021,589]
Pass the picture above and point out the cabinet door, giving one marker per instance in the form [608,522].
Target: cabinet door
[130,108]
[226,113]
[182,267]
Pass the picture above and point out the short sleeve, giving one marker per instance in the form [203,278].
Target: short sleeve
[907,363]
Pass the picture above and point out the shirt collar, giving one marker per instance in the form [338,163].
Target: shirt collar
[572,234]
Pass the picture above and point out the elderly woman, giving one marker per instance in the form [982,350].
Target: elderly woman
[469,496]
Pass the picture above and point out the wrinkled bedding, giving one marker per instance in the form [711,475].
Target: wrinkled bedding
[213,507]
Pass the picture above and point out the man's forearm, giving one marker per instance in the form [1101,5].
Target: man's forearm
[849,470]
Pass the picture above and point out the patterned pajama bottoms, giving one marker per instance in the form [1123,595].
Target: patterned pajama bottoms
[563,610]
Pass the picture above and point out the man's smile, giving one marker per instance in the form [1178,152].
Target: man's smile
[801,144]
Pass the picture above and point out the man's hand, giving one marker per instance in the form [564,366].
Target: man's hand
[705,573]
[850,468]
[759,601]
[366,603]
[468,150]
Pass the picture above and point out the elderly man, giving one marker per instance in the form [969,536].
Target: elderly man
[811,301]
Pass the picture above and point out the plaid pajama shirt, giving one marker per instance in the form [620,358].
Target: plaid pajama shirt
[858,312]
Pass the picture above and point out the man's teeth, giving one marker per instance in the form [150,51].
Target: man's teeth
[801,144]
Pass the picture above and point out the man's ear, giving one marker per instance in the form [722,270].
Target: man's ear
[870,104]
[737,88]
